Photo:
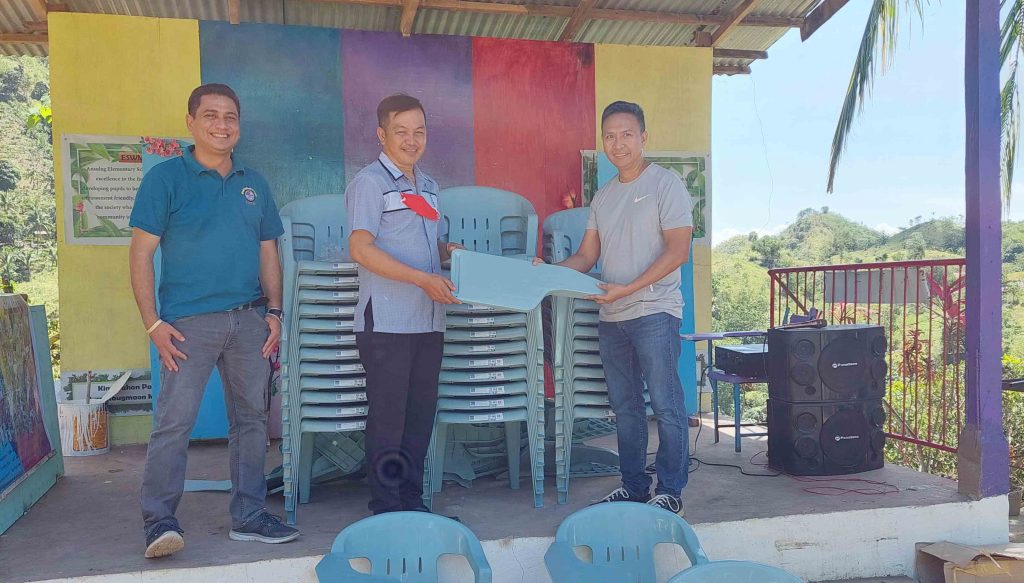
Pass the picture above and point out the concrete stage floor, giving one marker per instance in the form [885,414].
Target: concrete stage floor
[89,523]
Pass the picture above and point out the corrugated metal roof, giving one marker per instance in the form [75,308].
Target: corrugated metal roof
[15,13]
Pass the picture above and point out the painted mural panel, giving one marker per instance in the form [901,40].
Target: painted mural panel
[23,439]
[434,69]
[288,79]
[533,108]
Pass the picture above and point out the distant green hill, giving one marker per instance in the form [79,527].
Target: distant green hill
[819,237]
[815,237]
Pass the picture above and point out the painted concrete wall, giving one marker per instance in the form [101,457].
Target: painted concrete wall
[505,113]
[815,547]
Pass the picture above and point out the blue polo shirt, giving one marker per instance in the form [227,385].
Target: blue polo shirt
[210,229]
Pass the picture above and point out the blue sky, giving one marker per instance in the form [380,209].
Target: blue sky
[904,159]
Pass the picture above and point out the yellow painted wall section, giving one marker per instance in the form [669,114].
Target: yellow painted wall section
[111,75]
[673,85]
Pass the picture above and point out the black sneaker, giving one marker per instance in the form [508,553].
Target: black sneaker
[264,527]
[164,539]
[622,495]
[668,502]
[423,508]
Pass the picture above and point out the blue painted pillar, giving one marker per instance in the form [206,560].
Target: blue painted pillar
[983,454]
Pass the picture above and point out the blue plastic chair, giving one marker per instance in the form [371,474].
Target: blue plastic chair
[401,546]
[563,232]
[490,220]
[621,537]
[734,572]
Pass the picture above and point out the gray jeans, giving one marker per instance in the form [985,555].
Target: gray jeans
[231,341]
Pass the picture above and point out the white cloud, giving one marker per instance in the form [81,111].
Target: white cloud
[886,228]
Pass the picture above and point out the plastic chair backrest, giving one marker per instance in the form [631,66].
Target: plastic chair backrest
[490,220]
[563,234]
[406,545]
[315,228]
[625,533]
[734,572]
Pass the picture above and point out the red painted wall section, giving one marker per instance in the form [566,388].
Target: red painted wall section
[533,111]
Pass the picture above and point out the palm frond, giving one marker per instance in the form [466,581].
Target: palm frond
[1012,34]
[877,47]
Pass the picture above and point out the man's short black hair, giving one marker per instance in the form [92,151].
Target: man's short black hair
[211,89]
[625,107]
[397,103]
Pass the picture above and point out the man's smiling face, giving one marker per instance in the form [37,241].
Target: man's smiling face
[215,125]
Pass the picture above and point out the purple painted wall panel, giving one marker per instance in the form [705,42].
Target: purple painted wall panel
[435,69]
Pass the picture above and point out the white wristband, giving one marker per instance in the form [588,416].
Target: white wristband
[154,326]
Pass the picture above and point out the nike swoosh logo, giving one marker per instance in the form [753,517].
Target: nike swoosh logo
[641,198]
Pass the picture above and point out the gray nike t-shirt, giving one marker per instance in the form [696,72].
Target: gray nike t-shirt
[629,219]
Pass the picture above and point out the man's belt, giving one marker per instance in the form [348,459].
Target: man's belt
[250,305]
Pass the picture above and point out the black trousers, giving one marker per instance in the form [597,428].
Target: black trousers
[401,387]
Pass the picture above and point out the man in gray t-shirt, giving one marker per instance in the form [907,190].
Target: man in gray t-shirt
[639,227]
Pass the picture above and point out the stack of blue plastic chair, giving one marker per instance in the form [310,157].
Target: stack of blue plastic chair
[324,403]
[401,546]
[491,382]
[580,389]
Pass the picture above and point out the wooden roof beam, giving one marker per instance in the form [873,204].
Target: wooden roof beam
[408,16]
[820,16]
[731,70]
[20,37]
[234,11]
[739,54]
[39,9]
[567,12]
[694,19]
[732,20]
[579,16]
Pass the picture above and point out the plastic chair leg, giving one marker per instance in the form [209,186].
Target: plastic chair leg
[440,452]
[513,442]
[305,466]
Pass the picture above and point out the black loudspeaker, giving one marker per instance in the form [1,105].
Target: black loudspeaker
[836,363]
[823,439]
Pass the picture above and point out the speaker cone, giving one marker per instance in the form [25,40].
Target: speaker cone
[843,438]
[804,349]
[841,365]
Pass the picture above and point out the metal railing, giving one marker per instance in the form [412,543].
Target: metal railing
[921,306]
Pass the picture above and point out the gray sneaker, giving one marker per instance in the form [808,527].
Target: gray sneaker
[264,527]
[165,539]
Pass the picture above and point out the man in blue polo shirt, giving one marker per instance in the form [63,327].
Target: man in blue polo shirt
[396,236]
[220,305]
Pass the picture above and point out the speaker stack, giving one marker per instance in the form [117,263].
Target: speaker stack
[825,391]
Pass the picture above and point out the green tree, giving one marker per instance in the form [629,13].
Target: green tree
[11,81]
[769,251]
[9,176]
[915,247]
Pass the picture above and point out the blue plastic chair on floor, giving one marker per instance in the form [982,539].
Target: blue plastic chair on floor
[734,572]
[621,537]
[401,546]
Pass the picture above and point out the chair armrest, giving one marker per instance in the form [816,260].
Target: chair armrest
[474,553]
[334,567]
[565,567]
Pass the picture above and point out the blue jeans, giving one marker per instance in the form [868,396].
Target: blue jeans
[632,351]
[232,342]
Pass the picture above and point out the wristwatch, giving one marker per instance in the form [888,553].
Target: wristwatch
[276,313]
